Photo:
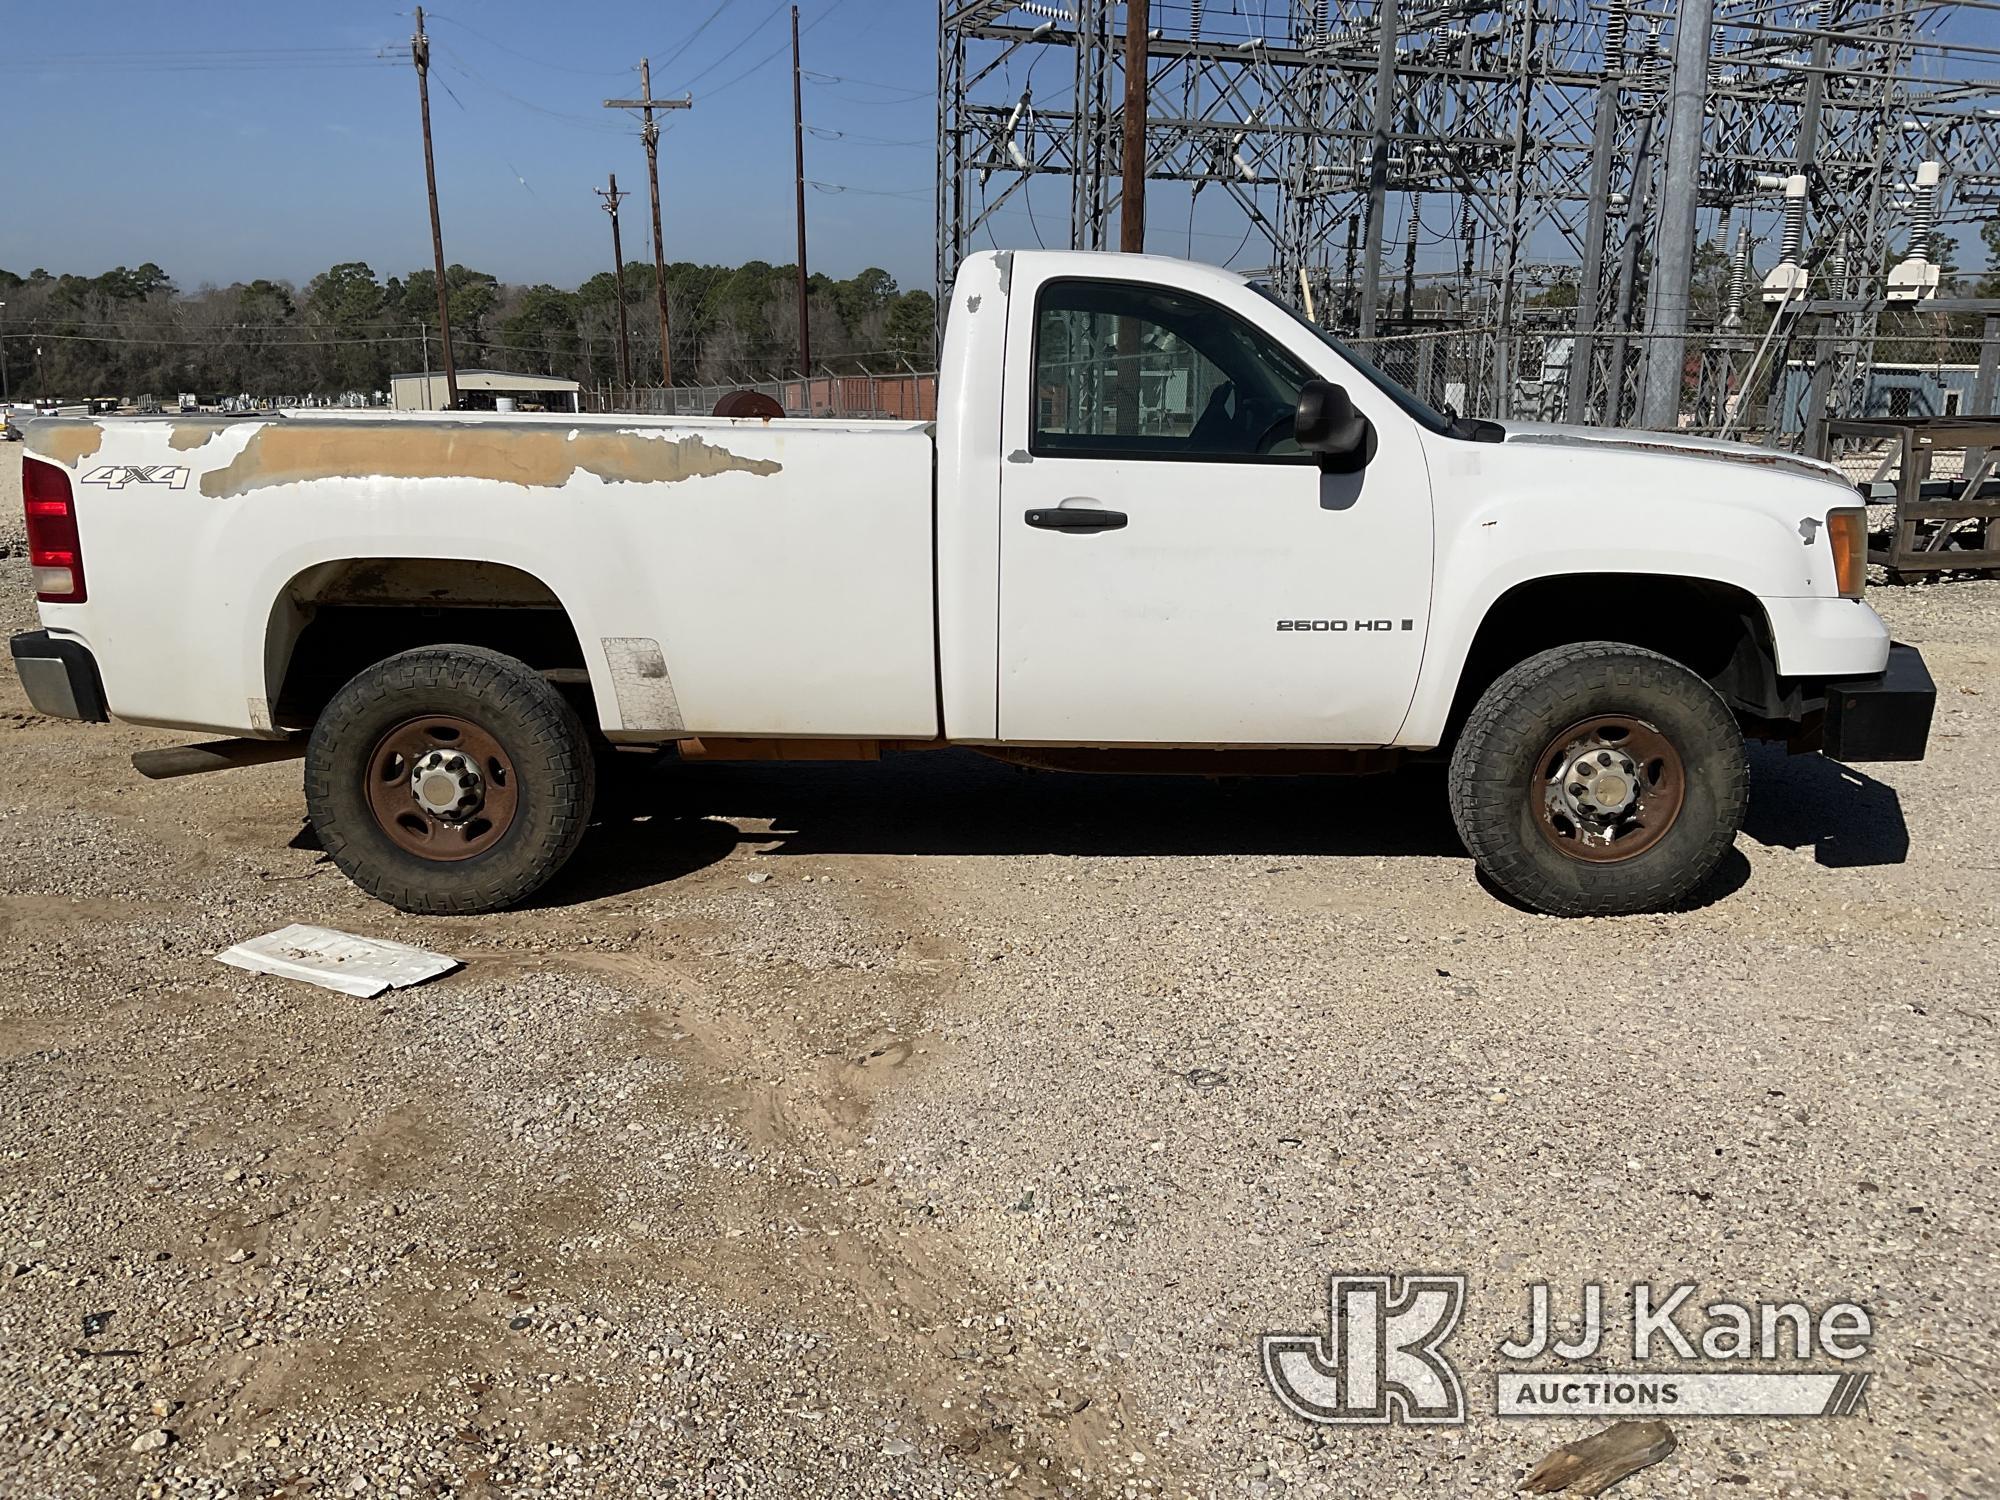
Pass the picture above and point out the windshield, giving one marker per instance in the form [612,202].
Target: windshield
[1407,399]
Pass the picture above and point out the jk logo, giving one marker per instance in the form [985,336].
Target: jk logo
[1380,1359]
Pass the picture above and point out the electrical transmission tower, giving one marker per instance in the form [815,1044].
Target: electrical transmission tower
[1513,162]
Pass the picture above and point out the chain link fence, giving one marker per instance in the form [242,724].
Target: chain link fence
[1561,374]
[1733,385]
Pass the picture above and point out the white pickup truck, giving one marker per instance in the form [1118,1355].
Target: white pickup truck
[1161,522]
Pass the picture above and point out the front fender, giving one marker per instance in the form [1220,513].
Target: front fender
[1509,518]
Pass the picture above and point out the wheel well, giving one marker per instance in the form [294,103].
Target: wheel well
[334,619]
[1716,630]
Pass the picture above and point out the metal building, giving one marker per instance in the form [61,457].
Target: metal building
[484,390]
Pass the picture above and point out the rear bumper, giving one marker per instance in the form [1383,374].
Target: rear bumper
[1883,717]
[60,676]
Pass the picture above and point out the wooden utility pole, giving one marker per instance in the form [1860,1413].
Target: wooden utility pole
[612,197]
[1132,195]
[799,186]
[1132,205]
[420,53]
[651,136]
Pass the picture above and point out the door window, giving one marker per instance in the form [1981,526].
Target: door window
[1125,370]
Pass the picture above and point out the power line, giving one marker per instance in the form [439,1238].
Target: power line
[529,57]
[689,40]
[777,52]
[207,65]
[921,194]
[741,42]
[563,117]
[848,137]
[823,80]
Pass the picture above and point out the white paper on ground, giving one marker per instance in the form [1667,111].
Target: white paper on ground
[359,966]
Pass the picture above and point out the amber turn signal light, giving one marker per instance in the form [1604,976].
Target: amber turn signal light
[1847,530]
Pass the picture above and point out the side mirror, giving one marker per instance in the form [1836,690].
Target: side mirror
[1326,423]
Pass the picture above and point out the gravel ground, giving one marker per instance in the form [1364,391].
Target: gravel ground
[935,1128]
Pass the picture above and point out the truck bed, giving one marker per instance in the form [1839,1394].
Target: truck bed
[725,577]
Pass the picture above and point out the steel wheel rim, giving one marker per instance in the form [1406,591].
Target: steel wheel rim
[416,828]
[1575,767]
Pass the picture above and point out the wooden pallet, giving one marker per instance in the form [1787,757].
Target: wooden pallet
[1931,514]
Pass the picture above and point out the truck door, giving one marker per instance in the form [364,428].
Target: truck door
[1173,570]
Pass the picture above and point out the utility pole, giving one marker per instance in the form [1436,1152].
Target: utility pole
[651,136]
[1589,292]
[3,354]
[799,184]
[420,53]
[1636,214]
[1132,202]
[1387,21]
[612,197]
[1673,256]
[1132,199]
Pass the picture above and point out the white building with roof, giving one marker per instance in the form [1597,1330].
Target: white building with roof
[484,390]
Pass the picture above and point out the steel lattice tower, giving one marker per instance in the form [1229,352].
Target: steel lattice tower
[1513,147]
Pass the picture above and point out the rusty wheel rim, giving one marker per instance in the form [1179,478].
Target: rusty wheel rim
[441,788]
[1608,788]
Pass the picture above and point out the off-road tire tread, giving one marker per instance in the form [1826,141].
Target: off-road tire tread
[551,753]
[1535,698]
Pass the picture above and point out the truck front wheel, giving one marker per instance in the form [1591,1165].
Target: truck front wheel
[449,780]
[1598,780]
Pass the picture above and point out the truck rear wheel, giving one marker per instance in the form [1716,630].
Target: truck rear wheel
[450,779]
[1599,780]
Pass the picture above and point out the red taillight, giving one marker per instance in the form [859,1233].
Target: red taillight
[54,554]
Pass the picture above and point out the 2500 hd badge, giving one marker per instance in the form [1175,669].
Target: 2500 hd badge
[1337,626]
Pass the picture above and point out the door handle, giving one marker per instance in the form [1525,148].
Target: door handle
[1076,518]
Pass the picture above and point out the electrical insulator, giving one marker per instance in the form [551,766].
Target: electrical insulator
[1739,278]
[1915,278]
[1793,239]
[1788,278]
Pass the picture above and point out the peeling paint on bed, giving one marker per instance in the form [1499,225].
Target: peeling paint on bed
[293,453]
[186,435]
[66,442]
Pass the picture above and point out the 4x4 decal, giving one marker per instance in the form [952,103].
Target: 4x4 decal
[117,476]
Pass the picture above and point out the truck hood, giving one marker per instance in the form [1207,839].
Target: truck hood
[1672,445]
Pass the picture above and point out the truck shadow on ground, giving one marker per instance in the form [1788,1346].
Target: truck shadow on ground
[655,826]
[1848,817]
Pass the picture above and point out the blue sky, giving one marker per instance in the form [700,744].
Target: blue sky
[228,140]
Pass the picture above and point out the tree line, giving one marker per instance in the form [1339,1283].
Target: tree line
[131,332]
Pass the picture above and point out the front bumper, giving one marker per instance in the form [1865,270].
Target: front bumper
[1883,717]
[60,675]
